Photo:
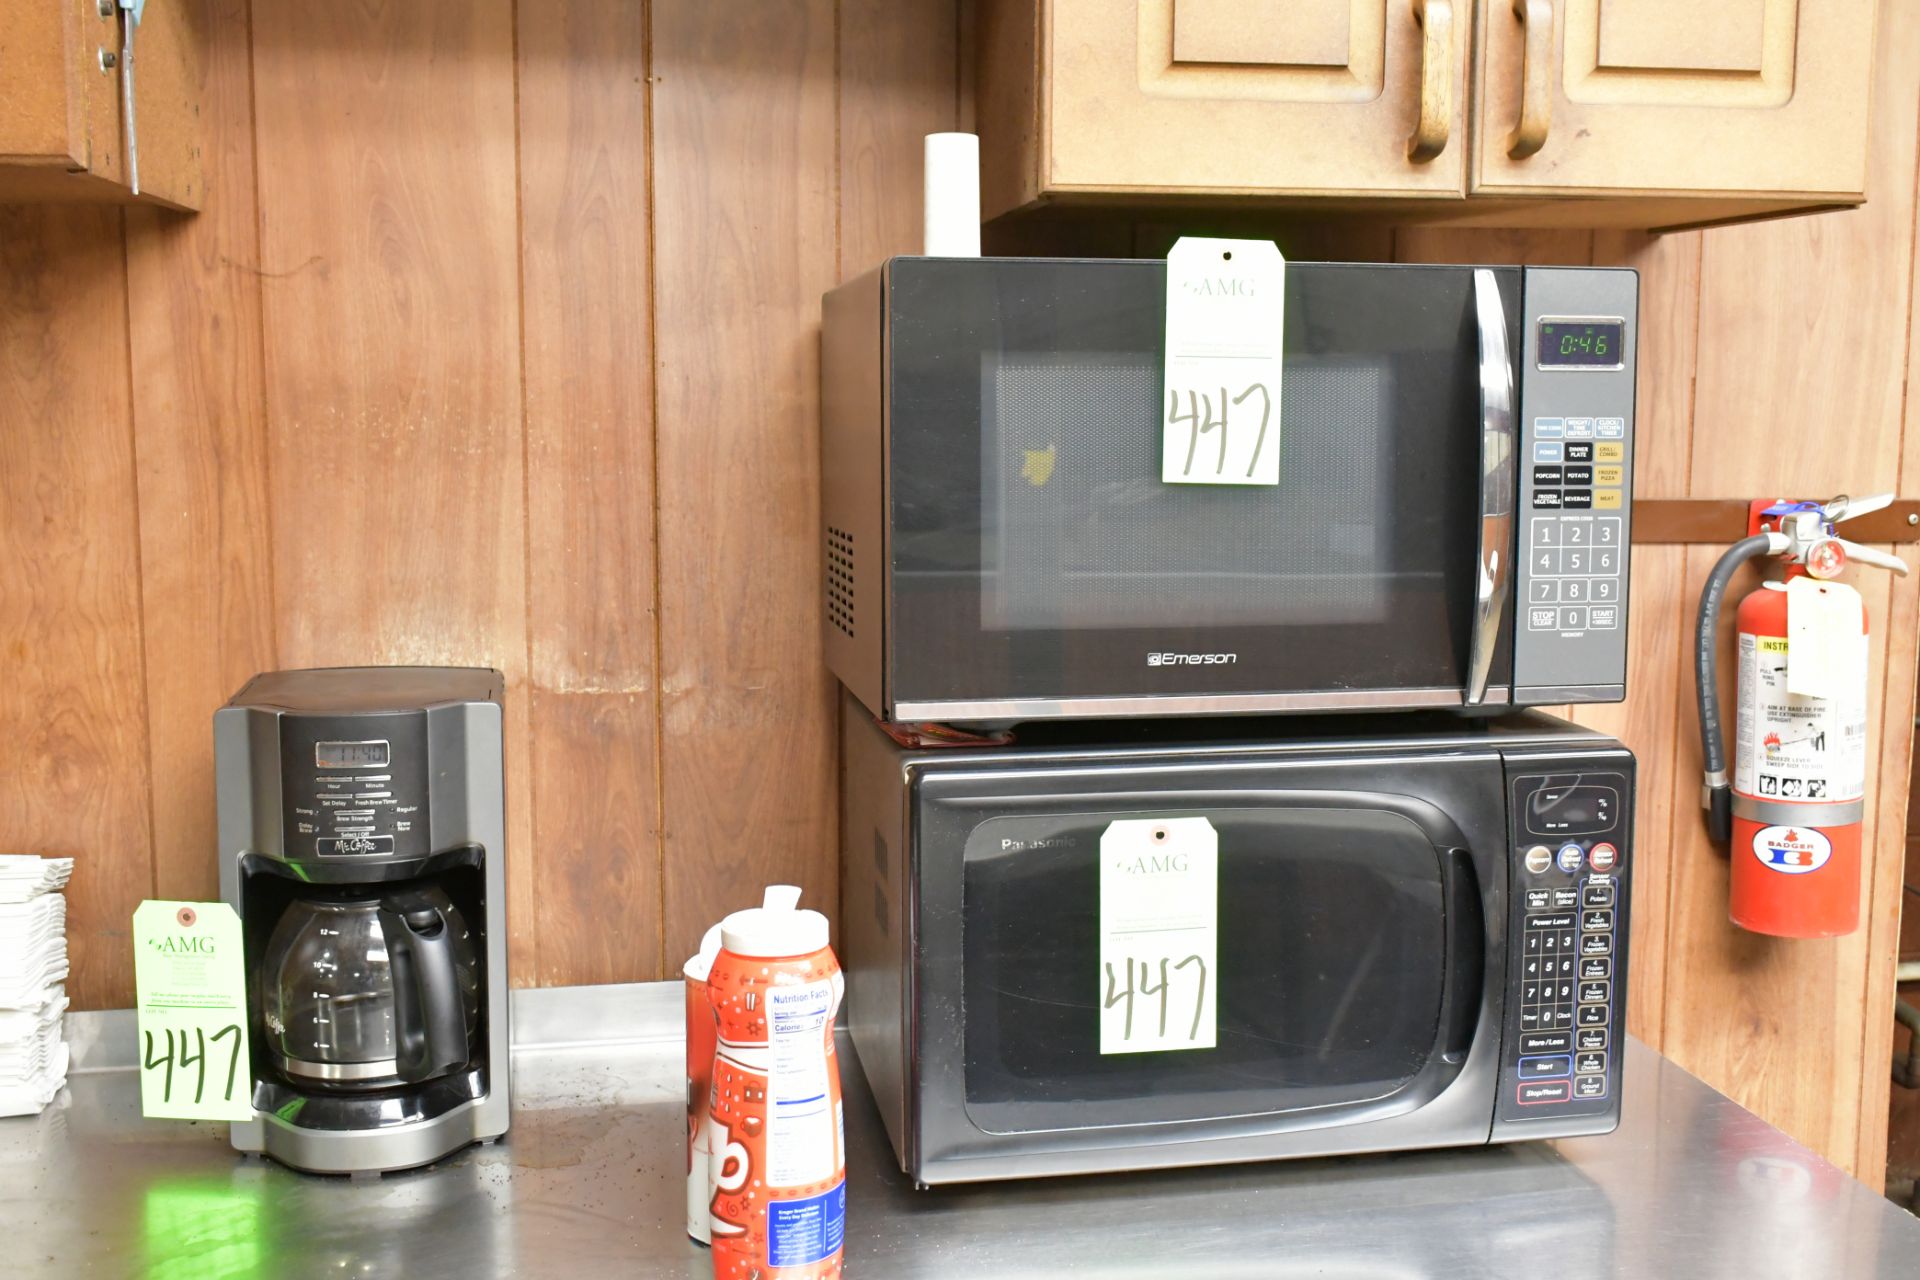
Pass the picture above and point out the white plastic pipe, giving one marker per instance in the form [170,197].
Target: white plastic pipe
[951,221]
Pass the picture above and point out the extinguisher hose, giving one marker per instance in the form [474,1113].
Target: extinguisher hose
[1717,794]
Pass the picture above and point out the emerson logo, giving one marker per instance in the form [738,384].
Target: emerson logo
[1192,659]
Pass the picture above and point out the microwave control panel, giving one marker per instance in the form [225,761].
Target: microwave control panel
[1567,921]
[1574,432]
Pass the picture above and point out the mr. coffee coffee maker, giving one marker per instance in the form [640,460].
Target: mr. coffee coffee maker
[362,843]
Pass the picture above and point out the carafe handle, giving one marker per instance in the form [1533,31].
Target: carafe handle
[429,1017]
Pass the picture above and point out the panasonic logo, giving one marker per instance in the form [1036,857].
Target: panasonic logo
[1191,659]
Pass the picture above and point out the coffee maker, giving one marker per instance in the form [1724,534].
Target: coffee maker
[363,844]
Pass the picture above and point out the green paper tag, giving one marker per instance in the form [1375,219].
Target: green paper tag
[190,974]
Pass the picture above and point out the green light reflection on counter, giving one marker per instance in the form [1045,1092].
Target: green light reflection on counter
[201,1229]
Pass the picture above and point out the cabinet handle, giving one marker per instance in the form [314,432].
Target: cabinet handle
[1435,19]
[1536,78]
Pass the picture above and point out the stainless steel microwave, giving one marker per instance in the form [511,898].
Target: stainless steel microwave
[1421,941]
[1450,528]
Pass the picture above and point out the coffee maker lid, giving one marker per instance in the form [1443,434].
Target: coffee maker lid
[775,928]
[348,690]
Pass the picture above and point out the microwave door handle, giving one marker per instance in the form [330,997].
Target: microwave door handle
[1466,955]
[1493,563]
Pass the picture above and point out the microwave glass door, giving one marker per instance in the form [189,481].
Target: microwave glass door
[1334,952]
[1036,549]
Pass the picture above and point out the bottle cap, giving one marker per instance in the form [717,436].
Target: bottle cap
[775,928]
[700,966]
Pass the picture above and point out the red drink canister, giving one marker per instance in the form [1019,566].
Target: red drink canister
[778,1161]
[700,1044]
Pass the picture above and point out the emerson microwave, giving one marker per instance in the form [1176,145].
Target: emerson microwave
[1413,934]
[1449,529]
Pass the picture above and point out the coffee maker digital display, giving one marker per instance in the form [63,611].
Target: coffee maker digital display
[362,842]
[353,755]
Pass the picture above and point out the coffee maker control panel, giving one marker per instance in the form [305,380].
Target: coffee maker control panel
[355,786]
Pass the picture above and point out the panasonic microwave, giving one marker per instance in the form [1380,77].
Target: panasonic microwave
[1449,529]
[1412,933]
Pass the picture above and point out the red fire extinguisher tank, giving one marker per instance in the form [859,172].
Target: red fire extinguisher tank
[1796,827]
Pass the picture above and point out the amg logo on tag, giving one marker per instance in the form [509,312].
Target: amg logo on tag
[1220,287]
[1191,659]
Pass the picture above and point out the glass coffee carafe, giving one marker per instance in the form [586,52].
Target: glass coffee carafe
[370,988]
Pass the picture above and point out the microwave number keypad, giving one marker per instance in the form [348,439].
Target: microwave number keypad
[1566,998]
[1575,572]
[1566,988]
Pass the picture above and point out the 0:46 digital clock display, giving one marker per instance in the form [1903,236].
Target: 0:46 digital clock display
[1582,344]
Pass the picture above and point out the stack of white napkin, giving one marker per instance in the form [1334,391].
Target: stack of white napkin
[33,971]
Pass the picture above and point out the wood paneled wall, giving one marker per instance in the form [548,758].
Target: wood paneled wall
[496,344]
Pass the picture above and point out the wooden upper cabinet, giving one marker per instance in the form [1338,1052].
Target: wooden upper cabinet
[1147,99]
[1734,97]
[62,131]
[1615,113]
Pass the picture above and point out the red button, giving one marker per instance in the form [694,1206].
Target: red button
[1603,857]
[1534,1093]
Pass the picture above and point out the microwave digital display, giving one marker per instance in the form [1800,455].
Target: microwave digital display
[1572,809]
[1582,344]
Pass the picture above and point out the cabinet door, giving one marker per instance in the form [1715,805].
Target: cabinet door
[1259,97]
[62,135]
[1732,96]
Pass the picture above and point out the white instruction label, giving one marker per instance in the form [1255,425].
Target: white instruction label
[1226,317]
[1159,918]
[1823,623]
[1793,746]
[800,1121]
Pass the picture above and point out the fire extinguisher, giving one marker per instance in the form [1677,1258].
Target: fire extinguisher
[1791,813]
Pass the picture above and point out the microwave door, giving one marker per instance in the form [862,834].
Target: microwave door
[1042,567]
[1349,968]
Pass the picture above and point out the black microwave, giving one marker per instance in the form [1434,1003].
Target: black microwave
[1419,939]
[1449,529]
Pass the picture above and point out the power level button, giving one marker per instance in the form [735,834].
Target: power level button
[1539,858]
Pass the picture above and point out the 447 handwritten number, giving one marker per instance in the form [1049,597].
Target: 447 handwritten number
[198,1057]
[1200,419]
[1116,994]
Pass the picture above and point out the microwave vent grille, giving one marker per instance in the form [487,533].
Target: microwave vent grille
[840,579]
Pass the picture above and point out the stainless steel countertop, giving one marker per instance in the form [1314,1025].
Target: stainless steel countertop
[589,1183]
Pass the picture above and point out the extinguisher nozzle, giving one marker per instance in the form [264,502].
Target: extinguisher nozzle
[1720,814]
